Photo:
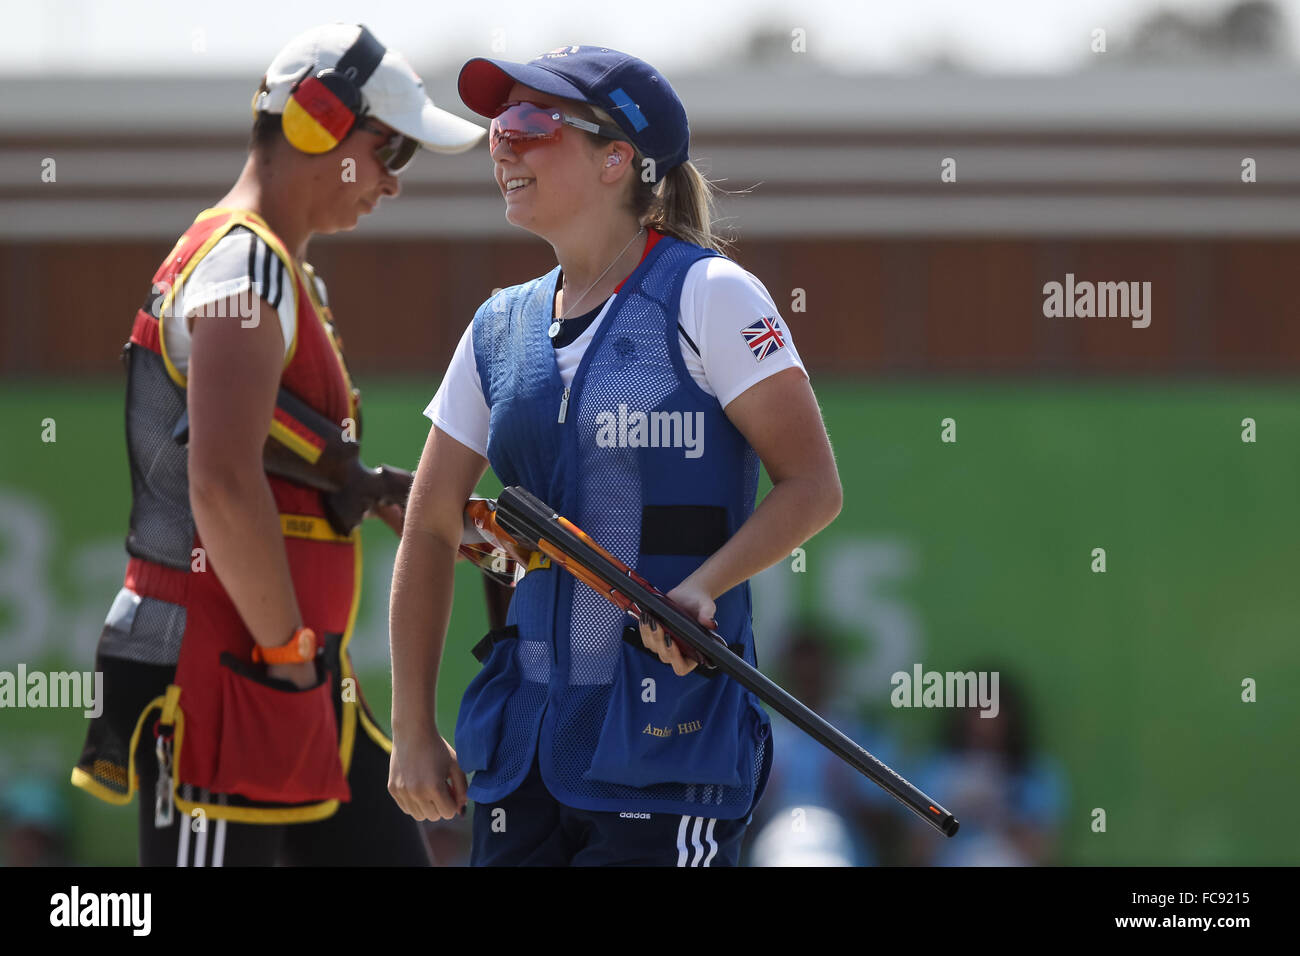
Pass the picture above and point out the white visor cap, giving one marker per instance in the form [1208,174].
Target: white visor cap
[394,93]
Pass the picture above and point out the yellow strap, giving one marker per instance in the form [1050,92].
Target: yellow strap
[88,782]
[537,560]
[257,225]
[326,318]
[290,439]
[170,701]
[217,235]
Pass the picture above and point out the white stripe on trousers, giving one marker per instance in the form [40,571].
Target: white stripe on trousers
[695,841]
[219,841]
[713,847]
[201,841]
[186,824]
[183,846]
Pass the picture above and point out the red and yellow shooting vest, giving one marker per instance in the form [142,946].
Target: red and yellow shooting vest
[285,754]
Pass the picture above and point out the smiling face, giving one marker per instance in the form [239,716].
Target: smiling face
[344,192]
[551,185]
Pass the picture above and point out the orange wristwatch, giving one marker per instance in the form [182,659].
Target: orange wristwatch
[301,648]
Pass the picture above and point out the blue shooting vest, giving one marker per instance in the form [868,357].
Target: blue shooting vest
[618,729]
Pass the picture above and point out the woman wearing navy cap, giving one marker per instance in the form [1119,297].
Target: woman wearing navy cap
[634,388]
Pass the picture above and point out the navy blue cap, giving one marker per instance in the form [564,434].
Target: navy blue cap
[631,91]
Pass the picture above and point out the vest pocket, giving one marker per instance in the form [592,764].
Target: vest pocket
[482,709]
[278,744]
[661,728]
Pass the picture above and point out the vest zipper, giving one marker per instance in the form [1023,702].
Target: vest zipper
[564,406]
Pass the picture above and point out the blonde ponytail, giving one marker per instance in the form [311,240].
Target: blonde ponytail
[681,204]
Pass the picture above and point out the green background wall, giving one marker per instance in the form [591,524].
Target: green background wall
[945,554]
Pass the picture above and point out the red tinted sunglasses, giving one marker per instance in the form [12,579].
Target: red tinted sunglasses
[523,125]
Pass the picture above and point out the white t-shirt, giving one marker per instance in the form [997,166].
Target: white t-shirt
[720,302]
[239,262]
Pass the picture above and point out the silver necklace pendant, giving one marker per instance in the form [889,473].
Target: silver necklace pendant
[554,330]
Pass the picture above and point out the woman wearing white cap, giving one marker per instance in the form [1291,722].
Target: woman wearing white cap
[635,389]
[230,694]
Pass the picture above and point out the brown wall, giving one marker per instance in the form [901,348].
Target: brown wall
[873,306]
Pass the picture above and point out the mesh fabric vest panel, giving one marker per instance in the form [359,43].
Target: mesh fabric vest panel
[610,740]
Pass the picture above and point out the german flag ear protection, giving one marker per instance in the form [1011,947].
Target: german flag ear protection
[323,108]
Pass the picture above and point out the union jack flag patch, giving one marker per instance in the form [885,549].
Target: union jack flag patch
[764,337]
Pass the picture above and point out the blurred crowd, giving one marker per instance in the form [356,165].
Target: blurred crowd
[1008,795]
[34,822]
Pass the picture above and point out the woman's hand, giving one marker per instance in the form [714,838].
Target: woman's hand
[392,515]
[425,779]
[692,599]
[302,675]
